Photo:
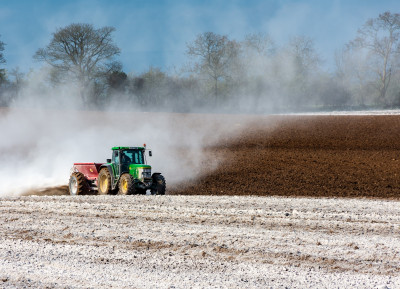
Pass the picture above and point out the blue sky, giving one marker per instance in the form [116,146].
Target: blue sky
[155,32]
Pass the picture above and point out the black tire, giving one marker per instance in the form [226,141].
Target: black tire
[104,182]
[126,185]
[140,191]
[78,184]
[159,186]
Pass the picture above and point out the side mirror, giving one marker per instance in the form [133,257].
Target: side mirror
[150,153]
[108,160]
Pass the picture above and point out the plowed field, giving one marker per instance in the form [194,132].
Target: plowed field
[321,156]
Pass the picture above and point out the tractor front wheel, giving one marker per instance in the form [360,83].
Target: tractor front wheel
[126,185]
[104,182]
[159,185]
[140,191]
[78,184]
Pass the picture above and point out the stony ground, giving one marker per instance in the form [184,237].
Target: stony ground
[198,242]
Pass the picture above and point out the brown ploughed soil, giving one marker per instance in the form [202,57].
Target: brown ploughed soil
[320,156]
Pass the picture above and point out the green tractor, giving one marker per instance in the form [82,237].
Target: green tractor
[126,173]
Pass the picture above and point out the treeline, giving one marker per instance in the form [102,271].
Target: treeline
[221,74]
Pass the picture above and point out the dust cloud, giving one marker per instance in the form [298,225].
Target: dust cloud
[39,146]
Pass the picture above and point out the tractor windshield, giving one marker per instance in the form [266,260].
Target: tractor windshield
[132,156]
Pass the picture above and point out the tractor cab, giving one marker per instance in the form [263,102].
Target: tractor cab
[129,155]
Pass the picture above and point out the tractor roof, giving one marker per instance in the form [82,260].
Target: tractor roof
[127,148]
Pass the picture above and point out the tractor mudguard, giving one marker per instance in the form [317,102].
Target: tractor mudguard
[111,171]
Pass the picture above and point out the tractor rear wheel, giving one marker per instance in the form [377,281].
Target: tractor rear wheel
[126,185]
[104,182]
[160,185]
[78,184]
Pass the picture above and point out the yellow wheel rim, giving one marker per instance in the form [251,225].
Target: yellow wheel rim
[104,183]
[124,185]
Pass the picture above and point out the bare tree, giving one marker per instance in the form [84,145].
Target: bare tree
[256,52]
[354,73]
[18,81]
[304,65]
[260,43]
[153,88]
[81,52]
[2,61]
[304,55]
[214,53]
[381,38]
[252,70]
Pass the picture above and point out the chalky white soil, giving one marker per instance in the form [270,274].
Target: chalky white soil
[198,242]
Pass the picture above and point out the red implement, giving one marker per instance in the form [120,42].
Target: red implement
[90,170]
